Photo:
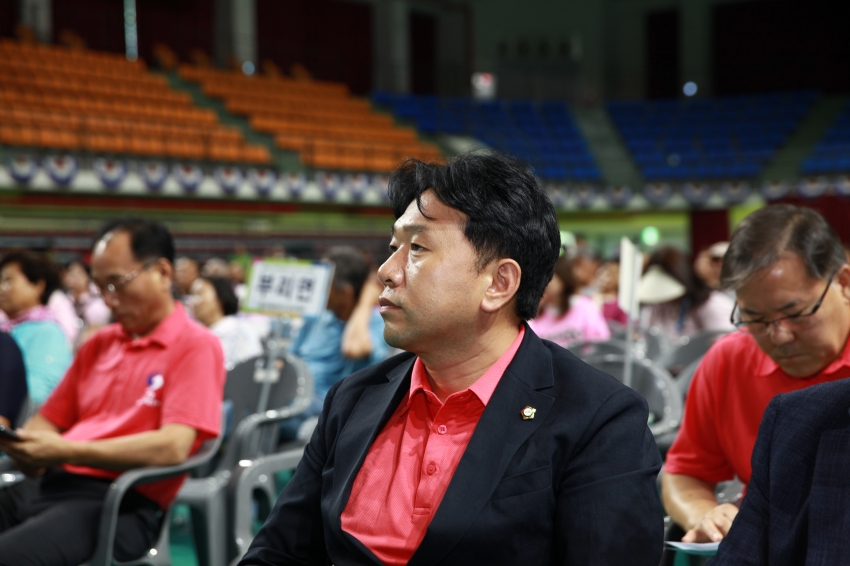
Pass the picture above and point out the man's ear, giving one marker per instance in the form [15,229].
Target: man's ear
[842,277]
[165,270]
[505,275]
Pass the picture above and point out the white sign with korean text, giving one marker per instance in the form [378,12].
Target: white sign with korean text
[282,287]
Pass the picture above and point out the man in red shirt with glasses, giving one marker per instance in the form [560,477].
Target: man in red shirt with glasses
[146,391]
[482,444]
[788,269]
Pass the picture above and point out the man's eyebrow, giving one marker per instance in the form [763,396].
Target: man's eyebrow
[409,228]
[784,307]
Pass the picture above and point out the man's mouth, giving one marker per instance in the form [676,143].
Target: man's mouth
[386,304]
[789,357]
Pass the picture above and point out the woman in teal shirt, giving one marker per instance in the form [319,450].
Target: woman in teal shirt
[27,279]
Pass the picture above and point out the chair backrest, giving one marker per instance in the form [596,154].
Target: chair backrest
[688,349]
[292,382]
[588,349]
[652,342]
[256,397]
[242,390]
[683,378]
[295,385]
[653,383]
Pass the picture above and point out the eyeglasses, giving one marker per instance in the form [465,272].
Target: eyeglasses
[118,284]
[800,321]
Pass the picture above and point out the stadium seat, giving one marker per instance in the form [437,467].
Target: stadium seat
[542,133]
[53,98]
[720,138]
[832,152]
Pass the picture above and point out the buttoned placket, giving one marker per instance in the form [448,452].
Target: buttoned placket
[437,445]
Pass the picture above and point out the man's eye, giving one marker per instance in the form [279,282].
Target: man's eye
[393,248]
[416,247]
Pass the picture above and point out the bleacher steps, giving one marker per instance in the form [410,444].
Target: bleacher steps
[286,161]
[607,146]
[453,145]
[788,159]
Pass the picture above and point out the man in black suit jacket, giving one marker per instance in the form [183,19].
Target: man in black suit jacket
[560,468]
[797,508]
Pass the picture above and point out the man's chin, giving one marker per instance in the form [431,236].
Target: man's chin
[799,367]
[396,339]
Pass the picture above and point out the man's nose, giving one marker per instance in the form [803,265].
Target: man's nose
[779,335]
[389,273]
[110,299]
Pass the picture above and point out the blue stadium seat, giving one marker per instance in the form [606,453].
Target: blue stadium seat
[724,137]
[543,133]
[832,153]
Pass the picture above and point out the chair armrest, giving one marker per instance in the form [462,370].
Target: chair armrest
[240,490]
[242,442]
[139,476]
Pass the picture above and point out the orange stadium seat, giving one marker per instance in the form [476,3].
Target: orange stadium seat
[99,102]
[303,116]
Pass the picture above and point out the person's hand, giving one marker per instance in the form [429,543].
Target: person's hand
[713,526]
[37,449]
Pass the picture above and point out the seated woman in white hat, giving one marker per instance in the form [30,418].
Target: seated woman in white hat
[678,302]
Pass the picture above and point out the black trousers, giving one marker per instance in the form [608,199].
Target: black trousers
[53,520]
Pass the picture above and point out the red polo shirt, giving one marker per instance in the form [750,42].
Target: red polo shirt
[726,400]
[412,461]
[119,386]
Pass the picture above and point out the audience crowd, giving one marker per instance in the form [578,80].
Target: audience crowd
[65,330]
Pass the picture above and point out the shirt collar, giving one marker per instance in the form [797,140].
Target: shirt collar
[770,367]
[484,386]
[166,332]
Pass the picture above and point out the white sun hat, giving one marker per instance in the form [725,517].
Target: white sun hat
[656,286]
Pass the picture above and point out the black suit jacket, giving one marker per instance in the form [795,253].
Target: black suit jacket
[797,508]
[574,485]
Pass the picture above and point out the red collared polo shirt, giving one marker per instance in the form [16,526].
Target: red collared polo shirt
[119,385]
[726,400]
[412,461]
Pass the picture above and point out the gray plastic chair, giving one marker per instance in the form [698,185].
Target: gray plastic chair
[159,555]
[688,349]
[656,386]
[589,349]
[651,342]
[253,436]
[240,492]
[684,378]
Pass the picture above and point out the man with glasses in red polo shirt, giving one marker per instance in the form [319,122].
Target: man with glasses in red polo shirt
[144,392]
[788,269]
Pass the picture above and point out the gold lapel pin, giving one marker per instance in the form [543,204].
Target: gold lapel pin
[528,413]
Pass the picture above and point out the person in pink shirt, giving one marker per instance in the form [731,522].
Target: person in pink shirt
[145,391]
[564,317]
[89,306]
[481,443]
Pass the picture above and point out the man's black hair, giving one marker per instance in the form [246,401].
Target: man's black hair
[149,239]
[36,267]
[224,291]
[350,267]
[508,213]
